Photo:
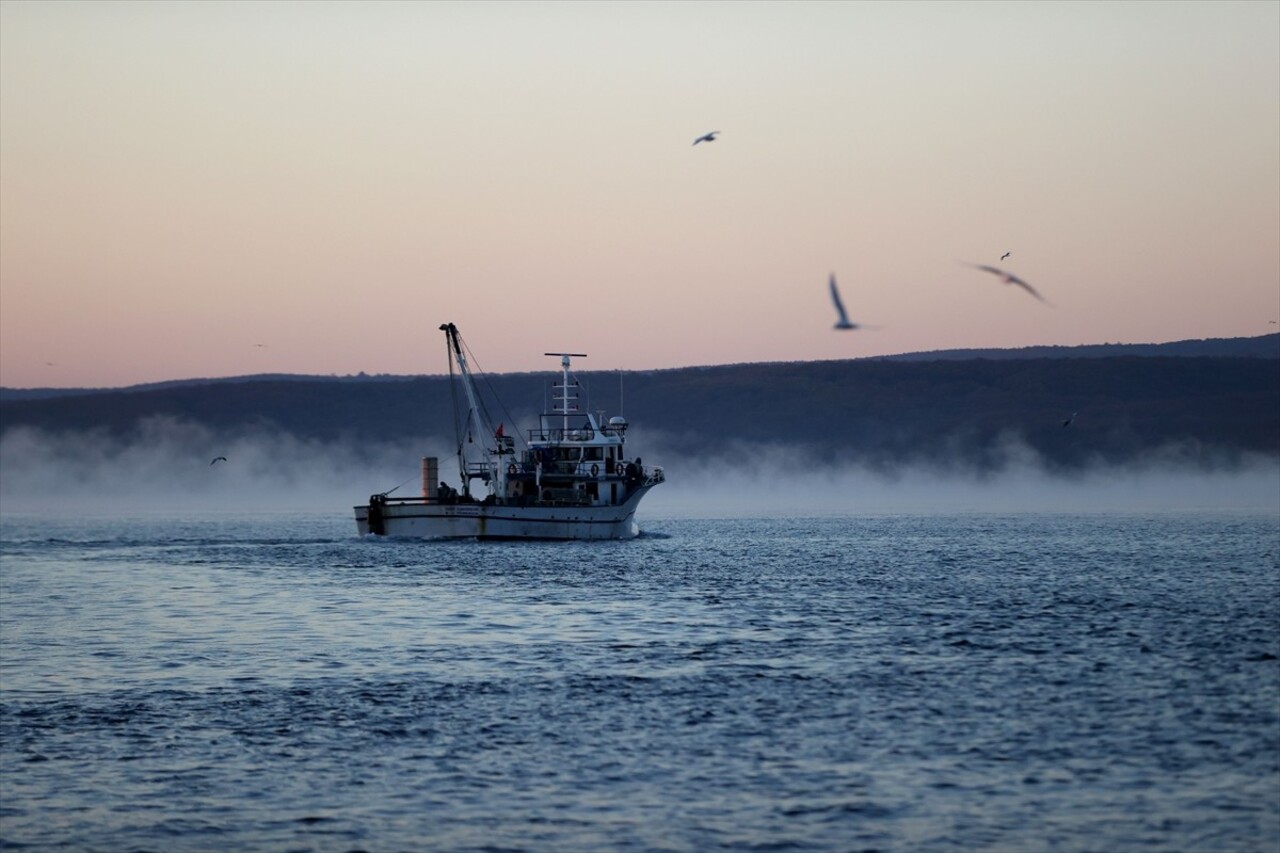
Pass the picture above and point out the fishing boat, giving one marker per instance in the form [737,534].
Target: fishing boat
[569,477]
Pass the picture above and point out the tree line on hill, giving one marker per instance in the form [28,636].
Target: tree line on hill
[880,413]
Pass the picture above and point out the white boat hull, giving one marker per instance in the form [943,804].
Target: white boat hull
[418,518]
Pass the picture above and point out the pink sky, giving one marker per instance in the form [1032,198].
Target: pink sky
[181,182]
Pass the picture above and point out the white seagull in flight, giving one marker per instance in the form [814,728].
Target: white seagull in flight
[1010,278]
[706,137]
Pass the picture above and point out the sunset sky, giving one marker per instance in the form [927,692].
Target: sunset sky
[216,189]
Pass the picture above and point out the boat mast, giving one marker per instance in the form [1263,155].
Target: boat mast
[564,397]
[473,407]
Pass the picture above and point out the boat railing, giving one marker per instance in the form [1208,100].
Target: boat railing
[403,499]
[479,471]
[563,497]
[556,502]
[453,498]
[555,468]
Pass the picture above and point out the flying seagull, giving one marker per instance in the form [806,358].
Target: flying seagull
[706,137]
[1009,278]
[1005,255]
[843,322]
[1068,421]
[218,459]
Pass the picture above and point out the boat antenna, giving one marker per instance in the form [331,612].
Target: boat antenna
[622,399]
[564,368]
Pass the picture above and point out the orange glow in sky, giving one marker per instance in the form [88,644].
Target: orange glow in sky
[216,189]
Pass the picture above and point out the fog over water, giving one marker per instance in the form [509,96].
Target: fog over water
[165,465]
[779,481]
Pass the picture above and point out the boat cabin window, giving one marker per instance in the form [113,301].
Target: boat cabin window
[591,454]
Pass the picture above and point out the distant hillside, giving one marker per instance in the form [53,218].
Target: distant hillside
[47,393]
[1265,346]
[880,412]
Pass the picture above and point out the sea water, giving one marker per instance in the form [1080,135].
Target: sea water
[1028,681]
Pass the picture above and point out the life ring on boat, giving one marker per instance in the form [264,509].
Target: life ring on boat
[620,470]
[511,470]
[595,470]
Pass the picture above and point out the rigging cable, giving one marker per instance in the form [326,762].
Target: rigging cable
[393,488]
[476,370]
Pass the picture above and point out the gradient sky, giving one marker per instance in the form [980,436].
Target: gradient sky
[181,182]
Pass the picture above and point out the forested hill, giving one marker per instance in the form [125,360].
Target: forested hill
[879,412]
[1263,346]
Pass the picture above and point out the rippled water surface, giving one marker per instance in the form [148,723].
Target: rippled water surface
[958,682]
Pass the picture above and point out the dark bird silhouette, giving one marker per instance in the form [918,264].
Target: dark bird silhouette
[1009,278]
[218,459]
[264,346]
[1005,255]
[706,137]
[843,322]
[1068,421]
